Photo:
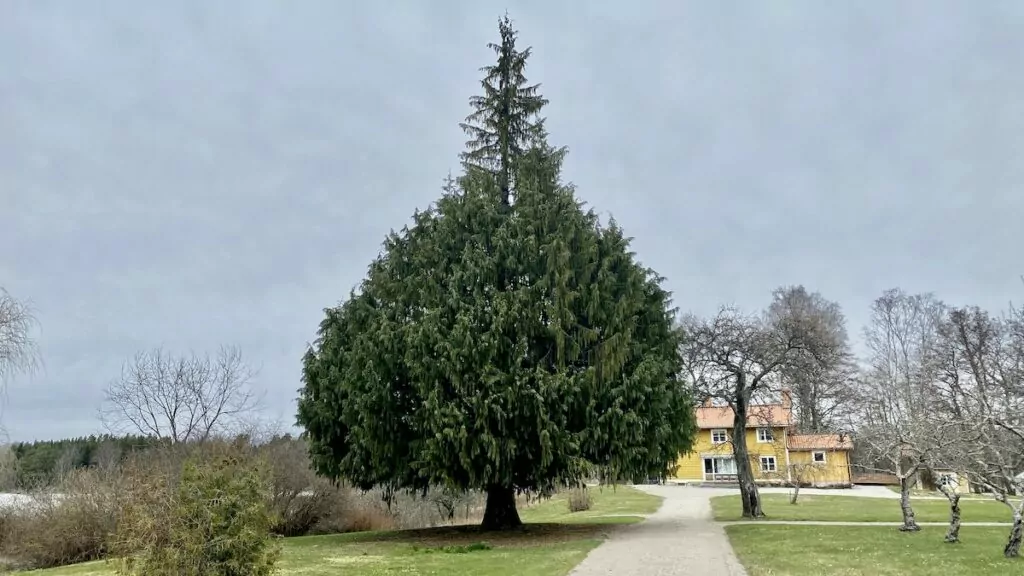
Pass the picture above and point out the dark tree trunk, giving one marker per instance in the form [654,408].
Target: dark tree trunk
[796,492]
[744,471]
[500,512]
[909,522]
[1012,549]
[953,533]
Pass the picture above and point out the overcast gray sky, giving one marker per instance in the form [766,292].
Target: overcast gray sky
[189,174]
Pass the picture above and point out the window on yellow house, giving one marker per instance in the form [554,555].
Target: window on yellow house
[764,435]
[720,436]
[768,464]
[818,457]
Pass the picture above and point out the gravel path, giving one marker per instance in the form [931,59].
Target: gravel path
[831,523]
[680,538]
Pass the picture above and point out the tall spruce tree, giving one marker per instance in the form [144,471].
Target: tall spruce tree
[506,120]
[497,345]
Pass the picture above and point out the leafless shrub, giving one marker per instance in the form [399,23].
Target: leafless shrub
[354,511]
[69,527]
[76,519]
[580,500]
[799,475]
[299,498]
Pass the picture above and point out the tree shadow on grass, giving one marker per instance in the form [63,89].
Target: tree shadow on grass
[528,534]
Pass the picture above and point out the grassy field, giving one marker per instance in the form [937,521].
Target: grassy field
[552,543]
[869,551]
[858,509]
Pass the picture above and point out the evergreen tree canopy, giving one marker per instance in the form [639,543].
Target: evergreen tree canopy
[506,118]
[499,346]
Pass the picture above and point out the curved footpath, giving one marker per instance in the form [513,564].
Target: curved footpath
[680,538]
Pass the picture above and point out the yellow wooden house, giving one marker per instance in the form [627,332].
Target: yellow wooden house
[778,454]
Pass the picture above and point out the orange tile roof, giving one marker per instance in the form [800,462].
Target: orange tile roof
[775,415]
[820,442]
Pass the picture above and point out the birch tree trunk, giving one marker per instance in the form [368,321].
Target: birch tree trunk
[909,522]
[953,533]
[1012,549]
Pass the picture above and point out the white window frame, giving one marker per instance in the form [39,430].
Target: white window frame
[724,432]
[814,457]
[761,433]
[718,466]
[772,464]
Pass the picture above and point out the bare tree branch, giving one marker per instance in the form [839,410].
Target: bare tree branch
[738,359]
[980,388]
[181,398]
[897,423]
[17,348]
[820,385]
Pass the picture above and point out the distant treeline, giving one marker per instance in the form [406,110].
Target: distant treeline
[44,462]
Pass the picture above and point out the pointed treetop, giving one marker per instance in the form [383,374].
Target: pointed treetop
[505,122]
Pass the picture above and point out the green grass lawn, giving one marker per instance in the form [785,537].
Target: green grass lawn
[610,504]
[936,494]
[551,544]
[858,509]
[869,551]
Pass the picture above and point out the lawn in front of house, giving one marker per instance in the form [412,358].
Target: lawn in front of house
[869,551]
[917,493]
[611,504]
[858,509]
[552,543]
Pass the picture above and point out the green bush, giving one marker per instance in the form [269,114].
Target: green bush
[215,522]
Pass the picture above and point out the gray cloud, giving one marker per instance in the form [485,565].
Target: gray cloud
[189,174]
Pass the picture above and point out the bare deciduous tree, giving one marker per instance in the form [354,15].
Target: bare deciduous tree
[800,473]
[822,395]
[737,359]
[17,348]
[982,388]
[69,460]
[106,456]
[180,398]
[949,490]
[299,498]
[897,421]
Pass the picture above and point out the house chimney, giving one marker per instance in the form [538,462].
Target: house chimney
[707,402]
[787,399]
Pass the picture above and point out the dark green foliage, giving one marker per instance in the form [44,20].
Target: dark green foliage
[215,522]
[42,462]
[505,121]
[499,346]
